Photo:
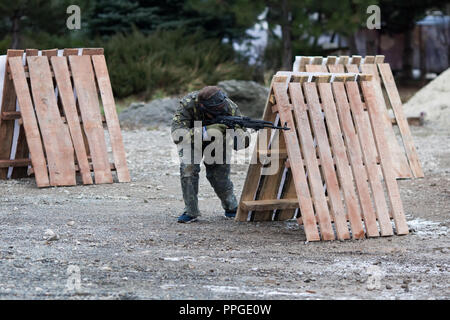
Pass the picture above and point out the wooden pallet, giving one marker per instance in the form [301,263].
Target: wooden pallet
[334,165]
[406,162]
[59,118]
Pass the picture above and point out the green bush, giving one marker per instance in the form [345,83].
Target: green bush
[168,62]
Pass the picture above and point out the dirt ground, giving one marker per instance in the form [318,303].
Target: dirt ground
[121,241]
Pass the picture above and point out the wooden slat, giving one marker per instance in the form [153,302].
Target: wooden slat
[301,186]
[379,59]
[386,161]
[316,68]
[254,171]
[70,52]
[50,53]
[16,163]
[356,60]
[264,205]
[369,59]
[336,68]
[365,138]
[353,68]
[109,107]
[92,51]
[29,121]
[342,164]
[65,90]
[317,60]
[22,146]
[331,60]
[396,103]
[309,156]
[56,137]
[328,170]
[84,81]
[400,164]
[8,104]
[303,62]
[11,115]
[355,157]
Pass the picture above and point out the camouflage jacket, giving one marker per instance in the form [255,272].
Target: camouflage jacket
[189,111]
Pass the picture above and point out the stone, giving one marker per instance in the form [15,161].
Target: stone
[156,113]
[250,96]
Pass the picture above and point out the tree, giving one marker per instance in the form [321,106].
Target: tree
[215,19]
[400,17]
[303,22]
[26,16]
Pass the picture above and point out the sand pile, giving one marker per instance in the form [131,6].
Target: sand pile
[434,100]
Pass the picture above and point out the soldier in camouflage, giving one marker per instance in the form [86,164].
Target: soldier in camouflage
[202,106]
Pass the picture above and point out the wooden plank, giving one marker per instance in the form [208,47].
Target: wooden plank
[400,162]
[264,205]
[301,185]
[11,115]
[343,60]
[379,59]
[56,138]
[92,51]
[112,120]
[342,165]
[254,171]
[336,68]
[29,121]
[369,154]
[328,170]
[66,95]
[309,156]
[8,104]
[369,59]
[50,53]
[396,103]
[16,163]
[22,146]
[386,161]
[352,68]
[316,68]
[84,81]
[356,60]
[70,52]
[316,60]
[303,62]
[355,157]
[331,60]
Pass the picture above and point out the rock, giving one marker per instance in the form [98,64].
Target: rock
[156,113]
[70,223]
[250,96]
[50,235]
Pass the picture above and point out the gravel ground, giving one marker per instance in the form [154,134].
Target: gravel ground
[121,241]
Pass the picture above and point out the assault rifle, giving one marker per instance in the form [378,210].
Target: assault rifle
[244,122]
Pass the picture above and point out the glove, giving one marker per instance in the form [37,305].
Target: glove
[217,126]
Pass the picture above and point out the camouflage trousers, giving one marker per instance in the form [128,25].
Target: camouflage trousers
[218,176]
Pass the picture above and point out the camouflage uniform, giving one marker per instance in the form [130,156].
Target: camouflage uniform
[218,175]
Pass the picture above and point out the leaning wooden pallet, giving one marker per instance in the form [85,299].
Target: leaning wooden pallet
[406,162]
[335,180]
[59,141]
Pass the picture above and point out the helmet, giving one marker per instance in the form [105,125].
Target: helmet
[213,99]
